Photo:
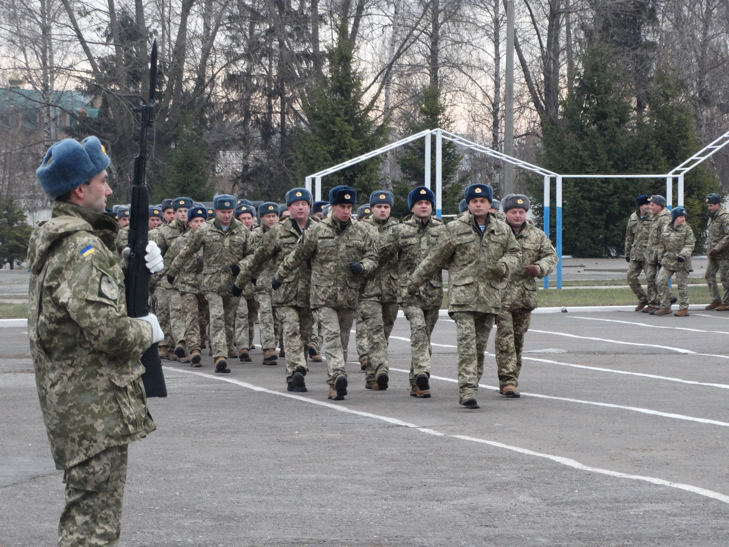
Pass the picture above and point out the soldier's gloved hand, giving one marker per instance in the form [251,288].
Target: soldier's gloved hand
[125,256]
[355,268]
[157,334]
[170,279]
[275,284]
[235,269]
[713,253]
[681,259]
[627,258]
[235,290]
[153,258]
[499,270]
[533,270]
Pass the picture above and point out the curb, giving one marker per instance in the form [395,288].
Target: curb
[13,323]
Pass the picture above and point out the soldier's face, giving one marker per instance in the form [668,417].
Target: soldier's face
[246,219]
[181,214]
[479,207]
[516,217]
[94,194]
[269,219]
[679,220]
[195,223]
[224,216]
[382,211]
[655,208]
[422,208]
[154,222]
[299,210]
[342,211]
[168,214]
[319,215]
[713,206]
[644,209]
[285,214]
[123,222]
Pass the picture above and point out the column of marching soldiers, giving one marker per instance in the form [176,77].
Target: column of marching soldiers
[308,270]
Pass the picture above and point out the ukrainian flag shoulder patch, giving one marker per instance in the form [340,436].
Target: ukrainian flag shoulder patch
[86,251]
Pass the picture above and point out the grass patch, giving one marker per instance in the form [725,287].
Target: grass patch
[608,297]
[13,311]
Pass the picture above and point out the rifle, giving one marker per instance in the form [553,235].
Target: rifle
[137,282]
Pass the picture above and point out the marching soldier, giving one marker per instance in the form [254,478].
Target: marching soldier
[364,212]
[718,245]
[155,217]
[168,212]
[316,209]
[636,242]
[245,315]
[341,254]
[675,246]
[661,217]
[538,259]
[224,242]
[480,252]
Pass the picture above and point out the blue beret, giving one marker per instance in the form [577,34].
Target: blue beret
[181,203]
[225,201]
[318,206]
[713,198]
[462,206]
[243,208]
[658,200]
[342,194]
[642,200]
[515,201]
[155,212]
[266,208]
[197,212]
[68,164]
[478,191]
[166,204]
[298,194]
[122,212]
[678,212]
[364,211]
[382,197]
[420,193]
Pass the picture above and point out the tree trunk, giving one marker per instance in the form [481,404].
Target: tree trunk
[433,63]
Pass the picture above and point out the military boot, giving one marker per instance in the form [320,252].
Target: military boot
[269,356]
[713,306]
[382,380]
[232,354]
[415,391]
[469,401]
[221,365]
[162,352]
[180,350]
[681,313]
[372,384]
[171,355]
[363,363]
[282,353]
[339,389]
[510,391]
[195,358]
[244,356]
[298,385]
[723,307]
[662,311]
[314,353]
[647,309]
[641,305]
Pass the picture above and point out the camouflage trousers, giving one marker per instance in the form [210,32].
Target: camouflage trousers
[316,335]
[372,335]
[664,293]
[94,492]
[245,322]
[336,325]
[222,320]
[204,318]
[178,321]
[511,326]
[269,324]
[651,272]
[296,324]
[720,266]
[422,322]
[163,315]
[193,319]
[634,269]
[472,334]
[388,316]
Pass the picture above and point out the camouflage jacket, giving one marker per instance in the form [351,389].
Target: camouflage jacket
[220,249]
[469,256]
[331,248]
[636,236]
[165,235]
[675,242]
[535,249]
[122,239]
[382,284]
[268,269]
[718,233]
[276,244]
[86,350]
[190,276]
[657,224]
[412,242]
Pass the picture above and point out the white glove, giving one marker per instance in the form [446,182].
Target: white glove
[153,258]
[125,256]
[157,334]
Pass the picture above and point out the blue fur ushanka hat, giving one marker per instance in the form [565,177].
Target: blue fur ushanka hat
[713,198]
[642,200]
[244,208]
[224,201]
[382,197]
[658,200]
[478,191]
[197,212]
[318,206]
[678,212]
[342,194]
[462,206]
[122,212]
[266,208]
[166,204]
[68,164]
[298,194]
[515,201]
[421,193]
[155,212]
[181,203]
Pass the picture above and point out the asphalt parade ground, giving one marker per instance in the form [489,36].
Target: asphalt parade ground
[620,438]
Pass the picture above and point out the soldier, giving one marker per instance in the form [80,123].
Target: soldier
[247,312]
[155,217]
[674,253]
[86,350]
[538,259]
[291,299]
[462,207]
[122,216]
[225,242]
[364,212]
[718,245]
[341,253]
[283,212]
[168,213]
[211,214]
[661,217]
[316,209]
[636,242]
[480,252]
[414,239]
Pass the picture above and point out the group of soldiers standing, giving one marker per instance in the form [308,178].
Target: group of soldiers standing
[310,276]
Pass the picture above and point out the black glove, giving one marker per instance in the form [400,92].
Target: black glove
[681,259]
[275,284]
[235,290]
[627,258]
[355,268]
[170,279]
[235,269]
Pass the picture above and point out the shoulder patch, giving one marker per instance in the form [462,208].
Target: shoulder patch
[86,251]
[109,288]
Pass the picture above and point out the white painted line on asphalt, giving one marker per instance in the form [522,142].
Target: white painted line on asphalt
[557,459]
[648,325]
[432,343]
[725,318]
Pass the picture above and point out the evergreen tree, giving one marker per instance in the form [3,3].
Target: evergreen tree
[14,233]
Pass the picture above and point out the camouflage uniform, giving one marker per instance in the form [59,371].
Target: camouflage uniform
[186,327]
[413,241]
[268,323]
[169,304]
[636,242]
[675,242]
[718,240]
[651,268]
[334,288]
[479,265]
[291,299]
[86,353]
[245,317]
[220,248]
[120,243]
[377,306]
[520,299]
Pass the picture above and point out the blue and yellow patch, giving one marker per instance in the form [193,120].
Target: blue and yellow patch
[88,251]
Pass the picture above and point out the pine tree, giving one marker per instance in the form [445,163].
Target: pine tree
[14,233]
